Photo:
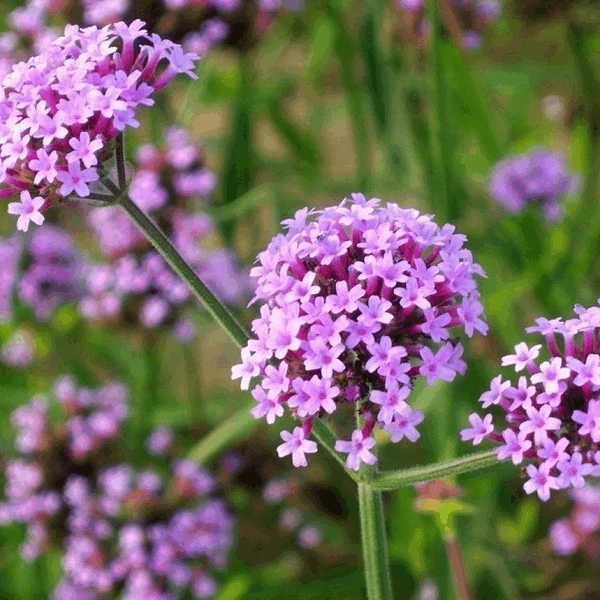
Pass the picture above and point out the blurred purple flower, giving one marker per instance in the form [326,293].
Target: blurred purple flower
[121,531]
[17,351]
[540,177]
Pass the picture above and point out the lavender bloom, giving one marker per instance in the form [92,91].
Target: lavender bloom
[552,421]
[53,272]
[160,441]
[540,177]
[310,536]
[17,351]
[31,492]
[122,532]
[137,283]
[358,300]
[62,109]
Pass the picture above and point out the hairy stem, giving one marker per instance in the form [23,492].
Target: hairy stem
[392,480]
[376,559]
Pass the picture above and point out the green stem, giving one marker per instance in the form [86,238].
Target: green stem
[374,540]
[392,480]
[166,249]
[326,437]
[440,100]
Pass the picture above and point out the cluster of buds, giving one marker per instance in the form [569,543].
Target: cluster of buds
[358,300]
[144,534]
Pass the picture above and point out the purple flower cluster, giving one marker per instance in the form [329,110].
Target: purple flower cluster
[138,284]
[92,419]
[94,416]
[358,300]
[61,111]
[199,24]
[552,420]
[139,534]
[575,532]
[539,177]
[45,273]
[10,252]
[473,16]
[177,536]
[53,272]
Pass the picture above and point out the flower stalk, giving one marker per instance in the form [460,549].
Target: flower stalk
[166,249]
[393,480]
[374,544]
[374,539]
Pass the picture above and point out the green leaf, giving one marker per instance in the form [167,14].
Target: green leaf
[300,141]
[238,161]
[470,98]
[232,430]
[319,48]
[376,80]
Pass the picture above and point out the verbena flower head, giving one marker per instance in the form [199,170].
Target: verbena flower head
[122,531]
[552,407]
[539,177]
[578,530]
[357,301]
[61,111]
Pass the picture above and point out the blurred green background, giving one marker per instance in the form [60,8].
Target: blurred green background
[330,100]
